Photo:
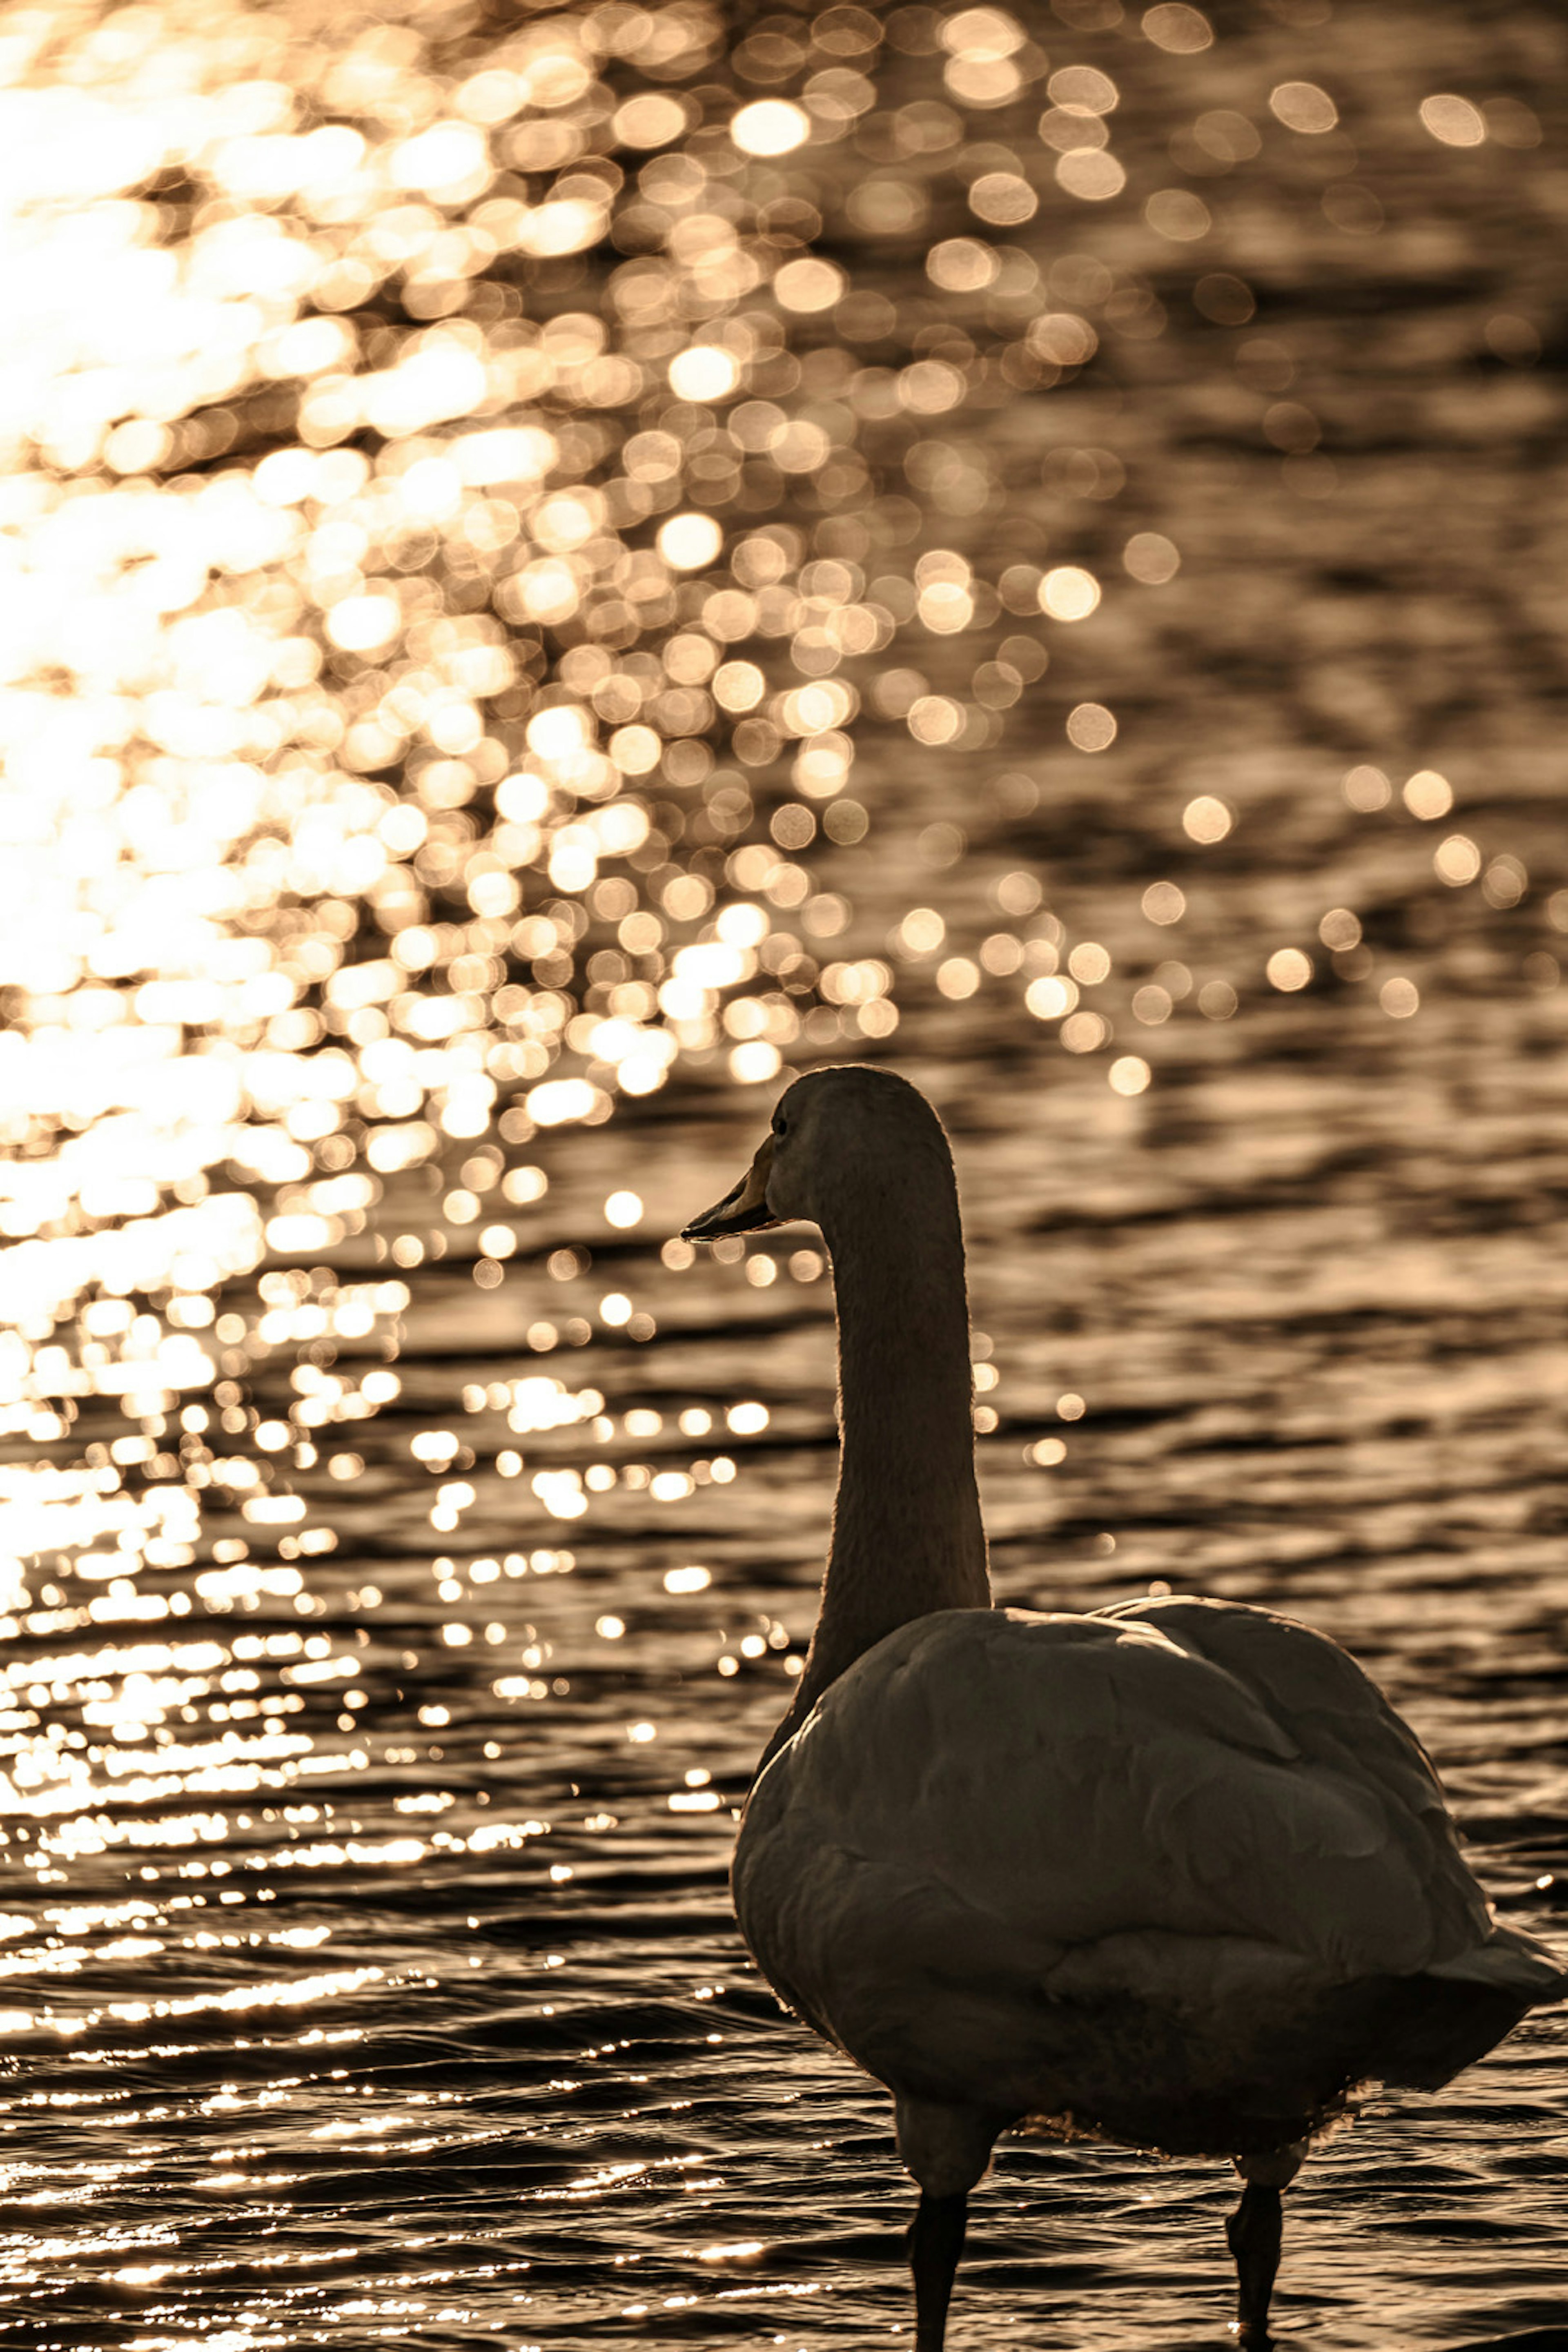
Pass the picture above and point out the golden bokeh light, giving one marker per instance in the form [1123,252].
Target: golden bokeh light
[1151,558]
[1163,903]
[1181,29]
[770,126]
[1427,794]
[1069,593]
[1303,106]
[1366,788]
[560,565]
[1453,121]
[1457,859]
[1090,727]
[1289,970]
[1208,819]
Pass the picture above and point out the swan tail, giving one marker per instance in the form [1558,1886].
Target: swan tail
[1512,1961]
[1459,2009]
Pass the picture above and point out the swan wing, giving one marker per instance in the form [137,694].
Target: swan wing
[1341,1720]
[1346,1732]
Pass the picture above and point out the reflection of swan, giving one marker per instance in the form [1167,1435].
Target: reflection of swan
[1173,1874]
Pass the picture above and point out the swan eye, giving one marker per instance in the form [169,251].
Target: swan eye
[781,1127]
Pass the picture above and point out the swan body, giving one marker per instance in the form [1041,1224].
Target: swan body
[1173,1874]
[1157,1874]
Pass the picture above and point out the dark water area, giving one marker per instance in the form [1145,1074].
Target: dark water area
[1153,594]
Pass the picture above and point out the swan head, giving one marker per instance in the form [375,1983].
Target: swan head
[837,1135]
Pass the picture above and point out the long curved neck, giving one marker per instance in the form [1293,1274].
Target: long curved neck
[907,1532]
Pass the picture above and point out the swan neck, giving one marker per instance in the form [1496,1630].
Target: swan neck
[907,1531]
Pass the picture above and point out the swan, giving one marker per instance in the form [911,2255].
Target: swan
[1172,1873]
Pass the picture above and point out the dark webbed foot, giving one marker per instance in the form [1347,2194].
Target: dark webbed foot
[935,2242]
[1254,2231]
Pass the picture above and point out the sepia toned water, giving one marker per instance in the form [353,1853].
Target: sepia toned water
[538,602]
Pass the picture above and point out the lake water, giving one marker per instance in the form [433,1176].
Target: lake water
[1123,692]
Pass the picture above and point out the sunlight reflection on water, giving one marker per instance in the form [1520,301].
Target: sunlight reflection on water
[553,568]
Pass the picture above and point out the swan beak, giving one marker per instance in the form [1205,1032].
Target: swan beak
[744,1209]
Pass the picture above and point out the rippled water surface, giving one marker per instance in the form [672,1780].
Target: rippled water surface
[560,564]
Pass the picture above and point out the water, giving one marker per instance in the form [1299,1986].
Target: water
[413,1547]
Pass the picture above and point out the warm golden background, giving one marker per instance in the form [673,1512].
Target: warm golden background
[558,564]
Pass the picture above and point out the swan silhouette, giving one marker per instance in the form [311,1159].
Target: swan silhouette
[1172,1873]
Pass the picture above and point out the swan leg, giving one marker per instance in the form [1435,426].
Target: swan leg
[1254,2232]
[935,2242]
